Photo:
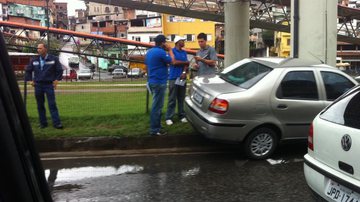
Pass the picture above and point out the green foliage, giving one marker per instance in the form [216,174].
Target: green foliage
[31,47]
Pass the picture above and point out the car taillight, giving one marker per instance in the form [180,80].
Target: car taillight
[311,138]
[219,106]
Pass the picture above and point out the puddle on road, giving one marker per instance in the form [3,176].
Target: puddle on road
[191,172]
[74,174]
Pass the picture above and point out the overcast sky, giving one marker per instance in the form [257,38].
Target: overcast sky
[72,5]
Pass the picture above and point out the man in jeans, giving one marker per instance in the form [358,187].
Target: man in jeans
[157,61]
[47,72]
[177,82]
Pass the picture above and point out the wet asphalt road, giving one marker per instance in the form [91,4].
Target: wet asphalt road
[221,177]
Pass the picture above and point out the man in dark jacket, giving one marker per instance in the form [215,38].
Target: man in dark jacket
[44,72]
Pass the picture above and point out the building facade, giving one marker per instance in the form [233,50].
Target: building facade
[2,12]
[31,12]
[282,42]
[184,27]
[61,16]
[26,13]
[102,12]
[144,29]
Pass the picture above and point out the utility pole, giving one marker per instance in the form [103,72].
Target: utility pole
[98,27]
[47,23]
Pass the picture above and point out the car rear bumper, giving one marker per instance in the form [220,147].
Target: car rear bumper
[317,175]
[84,77]
[119,75]
[213,129]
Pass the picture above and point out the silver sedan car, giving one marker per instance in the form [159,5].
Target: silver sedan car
[262,101]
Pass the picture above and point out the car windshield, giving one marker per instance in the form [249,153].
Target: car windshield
[135,70]
[245,74]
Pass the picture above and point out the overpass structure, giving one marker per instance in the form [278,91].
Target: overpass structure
[96,45]
[263,14]
[241,15]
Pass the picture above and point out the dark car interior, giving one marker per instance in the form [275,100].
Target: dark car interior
[22,175]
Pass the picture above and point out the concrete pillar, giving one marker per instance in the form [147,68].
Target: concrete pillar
[237,26]
[317,30]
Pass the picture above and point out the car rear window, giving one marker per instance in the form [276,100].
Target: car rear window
[246,75]
[345,111]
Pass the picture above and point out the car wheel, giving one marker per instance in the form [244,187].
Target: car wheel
[261,143]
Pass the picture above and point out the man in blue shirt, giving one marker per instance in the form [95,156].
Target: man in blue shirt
[47,72]
[157,61]
[177,82]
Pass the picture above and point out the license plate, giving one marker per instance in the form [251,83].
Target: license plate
[198,98]
[339,193]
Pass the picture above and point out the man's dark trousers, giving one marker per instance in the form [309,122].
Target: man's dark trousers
[40,90]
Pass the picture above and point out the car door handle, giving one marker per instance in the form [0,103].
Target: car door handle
[282,106]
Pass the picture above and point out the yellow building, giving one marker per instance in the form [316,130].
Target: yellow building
[282,43]
[188,28]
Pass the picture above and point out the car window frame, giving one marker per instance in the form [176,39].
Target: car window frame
[23,168]
[324,85]
[290,70]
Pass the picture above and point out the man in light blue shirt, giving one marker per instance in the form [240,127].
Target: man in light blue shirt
[206,57]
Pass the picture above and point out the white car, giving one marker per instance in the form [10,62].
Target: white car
[84,74]
[118,73]
[66,38]
[332,164]
[136,73]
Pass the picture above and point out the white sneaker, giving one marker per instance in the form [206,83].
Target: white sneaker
[169,122]
[184,120]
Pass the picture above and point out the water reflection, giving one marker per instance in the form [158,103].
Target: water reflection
[51,178]
[275,162]
[190,172]
[74,174]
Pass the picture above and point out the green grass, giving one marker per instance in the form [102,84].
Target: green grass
[87,87]
[100,114]
[96,82]
[93,85]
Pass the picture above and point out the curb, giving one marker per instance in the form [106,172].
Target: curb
[49,156]
[124,143]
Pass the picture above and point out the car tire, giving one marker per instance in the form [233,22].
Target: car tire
[260,143]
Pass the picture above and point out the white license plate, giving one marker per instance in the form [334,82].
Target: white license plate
[198,98]
[339,193]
